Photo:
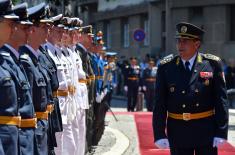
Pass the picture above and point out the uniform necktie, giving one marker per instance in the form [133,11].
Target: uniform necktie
[187,64]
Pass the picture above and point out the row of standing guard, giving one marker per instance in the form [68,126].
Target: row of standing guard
[55,84]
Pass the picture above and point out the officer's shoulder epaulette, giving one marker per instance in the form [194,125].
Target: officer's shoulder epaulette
[212,57]
[24,56]
[167,59]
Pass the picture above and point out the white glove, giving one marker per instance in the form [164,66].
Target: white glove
[144,88]
[218,142]
[139,88]
[98,98]
[103,94]
[114,85]
[162,143]
[125,88]
[105,91]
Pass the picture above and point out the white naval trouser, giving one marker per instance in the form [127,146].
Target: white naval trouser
[65,140]
[79,131]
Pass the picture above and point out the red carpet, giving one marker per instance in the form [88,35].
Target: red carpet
[145,135]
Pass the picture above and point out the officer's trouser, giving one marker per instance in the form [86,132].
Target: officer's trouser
[149,96]
[8,140]
[41,145]
[79,131]
[132,94]
[26,141]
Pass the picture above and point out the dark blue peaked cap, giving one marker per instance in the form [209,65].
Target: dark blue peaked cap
[21,11]
[6,9]
[38,13]
[188,31]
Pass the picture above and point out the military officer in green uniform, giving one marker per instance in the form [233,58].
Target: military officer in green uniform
[191,99]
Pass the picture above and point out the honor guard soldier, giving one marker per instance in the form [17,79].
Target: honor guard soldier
[65,140]
[132,83]
[110,78]
[149,82]
[98,68]
[191,97]
[82,47]
[82,93]
[9,116]
[9,53]
[35,74]
[55,121]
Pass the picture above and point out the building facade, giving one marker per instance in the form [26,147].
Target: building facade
[120,18]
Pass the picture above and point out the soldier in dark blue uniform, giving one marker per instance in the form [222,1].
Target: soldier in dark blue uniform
[132,83]
[26,109]
[9,115]
[149,82]
[37,77]
[191,96]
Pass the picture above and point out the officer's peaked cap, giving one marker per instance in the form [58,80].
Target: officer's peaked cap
[188,31]
[39,13]
[21,11]
[56,19]
[6,10]
[111,54]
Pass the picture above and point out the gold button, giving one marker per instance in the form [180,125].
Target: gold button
[196,90]
[197,104]
[183,92]
[183,105]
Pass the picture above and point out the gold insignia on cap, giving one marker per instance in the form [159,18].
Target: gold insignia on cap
[196,90]
[207,82]
[172,89]
[184,29]
[183,92]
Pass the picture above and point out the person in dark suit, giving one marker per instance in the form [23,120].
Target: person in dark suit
[191,98]
[149,82]
[132,83]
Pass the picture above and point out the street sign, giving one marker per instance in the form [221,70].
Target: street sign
[139,35]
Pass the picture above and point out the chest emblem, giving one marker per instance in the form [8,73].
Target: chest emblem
[206,75]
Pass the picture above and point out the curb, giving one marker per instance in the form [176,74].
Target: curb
[122,143]
[119,97]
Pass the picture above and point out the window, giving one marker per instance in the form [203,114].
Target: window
[125,33]
[196,14]
[107,34]
[146,30]
[232,23]
[109,38]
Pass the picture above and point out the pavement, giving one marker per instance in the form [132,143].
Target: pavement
[120,137]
